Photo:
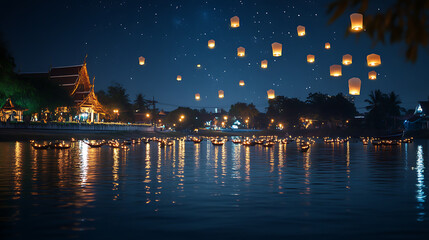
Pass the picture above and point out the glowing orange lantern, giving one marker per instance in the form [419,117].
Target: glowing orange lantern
[197,96]
[141,60]
[335,71]
[211,44]
[347,59]
[264,64]
[179,78]
[198,65]
[356,20]
[221,94]
[235,22]
[372,75]
[327,45]
[301,30]
[310,58]
[241,51]
[354,86]
[373,60]
[271,94]
[277,49]
[241,83]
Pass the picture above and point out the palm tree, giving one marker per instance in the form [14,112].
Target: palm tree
[383,109]
[375,100]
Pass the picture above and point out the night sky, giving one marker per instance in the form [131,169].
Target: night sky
[173,36]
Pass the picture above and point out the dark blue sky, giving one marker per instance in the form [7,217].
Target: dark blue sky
[173,35]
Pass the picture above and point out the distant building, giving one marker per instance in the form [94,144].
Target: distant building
[11,112]
[420,119]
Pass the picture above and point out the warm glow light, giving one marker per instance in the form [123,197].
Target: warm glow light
[335,71]
[264,64]
[373,60]
[141,60]
[179,78]
[271,94]
[372,75]
[354,86]
[235,22]
[241,51]
[211,44]
[347,59]
[241,83]
[115,111]
[327,45]
[277,49]
[147,115]
[197,96]
[225,118]
[182,116]
[301,30]
[310,58]
[356,20]
[221,94]
[198,65]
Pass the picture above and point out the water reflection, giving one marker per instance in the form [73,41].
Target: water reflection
[420,196]
[17,179]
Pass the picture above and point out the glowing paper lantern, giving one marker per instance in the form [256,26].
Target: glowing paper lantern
[271,94]
[264,64]
[301,30]
[356,20]
[327,45]
[235,22]
[179,78]
[241,83]
[373,60]
[241,51]
[354,86]
[141,60]
[310,58]
[335,70]
[277,49]
[221,94]
[197,96]
[211,44]
[198,65]
[347,59]
[372,75]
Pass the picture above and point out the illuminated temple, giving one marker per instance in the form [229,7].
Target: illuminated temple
[75,81]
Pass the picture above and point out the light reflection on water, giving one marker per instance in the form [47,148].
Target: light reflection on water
[240,191]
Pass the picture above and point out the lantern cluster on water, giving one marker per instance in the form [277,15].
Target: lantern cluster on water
[264,64]
[271,94]
[335,71]
[310,58]
[141,60]
[221,94]
[356,20]
[241,51]
[347,59]
[354,86]
[235,22]
[277,49]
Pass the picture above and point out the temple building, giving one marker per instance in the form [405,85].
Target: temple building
[75,81]
[11,112]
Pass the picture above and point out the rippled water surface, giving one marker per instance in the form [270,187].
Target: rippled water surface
[200,191]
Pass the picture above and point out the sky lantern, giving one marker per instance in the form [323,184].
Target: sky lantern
[211,43]
[356,20]
[354,86]
[327,45]
[372,75]
[301,30]
[277,49]
[235,22]
[347,59]
[264,64]
[198,65]
[310,58]
[241,51]
[221,94]
[141,60]
[271,94]
[241,83]
[335,70]
[197,96]
[373,60]
[179,78]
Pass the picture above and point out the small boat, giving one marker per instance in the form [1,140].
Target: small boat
[248,143]
[60,145]
[94,144]
[304,147]
[268,144]
[217,142]
[39,146]
[197,140]
[170,143]
[236,140]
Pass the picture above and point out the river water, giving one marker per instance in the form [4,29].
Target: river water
[200,191]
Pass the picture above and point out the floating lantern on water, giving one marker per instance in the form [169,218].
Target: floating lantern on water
[347,59]
[354,86]
[221,94]
[179,78]
[335,70]
[372,75]
[197,96]
[241,51]
[301,30]
[241,83]
[264,64]
[327,45]
[211,44]
[235,22]
[356,20]
[141,60]
[277,49]
[373,60]
[271,94]
[310,58]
